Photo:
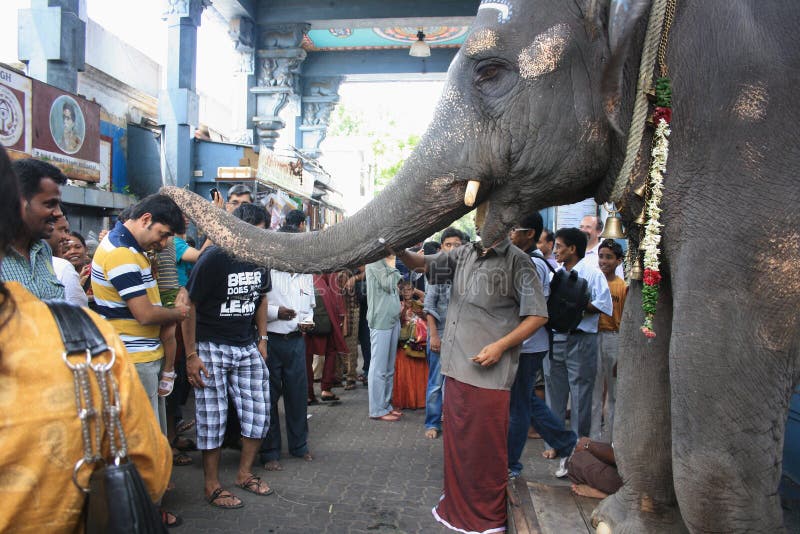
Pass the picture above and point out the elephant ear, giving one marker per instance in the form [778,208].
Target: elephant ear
[622,19]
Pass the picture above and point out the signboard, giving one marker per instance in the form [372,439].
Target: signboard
[66,132]
[570,216]
[15,112]
[273,171]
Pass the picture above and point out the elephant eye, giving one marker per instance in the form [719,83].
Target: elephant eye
[487,71]
[493,77]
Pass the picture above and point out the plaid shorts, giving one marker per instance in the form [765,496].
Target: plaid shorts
[241,373]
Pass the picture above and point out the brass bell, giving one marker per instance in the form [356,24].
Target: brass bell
[641,220]
[636,271]
[613,228]
[641,190]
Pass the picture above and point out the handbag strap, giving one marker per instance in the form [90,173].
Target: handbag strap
[78,331]
[81,336]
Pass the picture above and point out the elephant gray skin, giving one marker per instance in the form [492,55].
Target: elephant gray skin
[535,107]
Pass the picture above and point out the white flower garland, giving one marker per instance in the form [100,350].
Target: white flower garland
[658,165]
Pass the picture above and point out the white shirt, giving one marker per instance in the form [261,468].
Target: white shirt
[290,290]
[68,276]
[601,296]
[592,255]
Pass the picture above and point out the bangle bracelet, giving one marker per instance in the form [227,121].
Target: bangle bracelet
[189,356]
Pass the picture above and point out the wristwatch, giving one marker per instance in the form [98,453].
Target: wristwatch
[263,338]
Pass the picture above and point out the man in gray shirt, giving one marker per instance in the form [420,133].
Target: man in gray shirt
[496,302]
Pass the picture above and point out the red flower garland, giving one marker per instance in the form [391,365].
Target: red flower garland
[651,277]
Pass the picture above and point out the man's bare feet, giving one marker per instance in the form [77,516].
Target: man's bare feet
[532,434]
[307,457]
[587,491]
[431,433]
[273,465]
[550,454]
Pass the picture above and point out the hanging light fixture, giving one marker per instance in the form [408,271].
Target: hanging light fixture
[420,48]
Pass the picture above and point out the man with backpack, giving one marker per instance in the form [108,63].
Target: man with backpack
[526,408]
[570,372]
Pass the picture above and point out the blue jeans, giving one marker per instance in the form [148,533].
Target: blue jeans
[526,409]
[434,393]
[381,369]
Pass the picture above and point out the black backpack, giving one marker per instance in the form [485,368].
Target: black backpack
[569,296]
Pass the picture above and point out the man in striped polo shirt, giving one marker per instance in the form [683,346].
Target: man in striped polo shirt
[126,293]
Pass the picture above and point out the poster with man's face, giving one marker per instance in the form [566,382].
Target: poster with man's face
[67,124]
[66,132]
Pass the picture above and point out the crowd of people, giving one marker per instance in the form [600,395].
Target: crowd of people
[458,329]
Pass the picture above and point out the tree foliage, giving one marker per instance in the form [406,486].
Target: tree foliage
[389,147]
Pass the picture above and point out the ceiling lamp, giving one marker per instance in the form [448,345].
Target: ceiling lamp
[420,48]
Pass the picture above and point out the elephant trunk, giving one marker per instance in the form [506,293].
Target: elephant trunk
[417,203]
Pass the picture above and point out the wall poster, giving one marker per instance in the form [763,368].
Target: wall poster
[66,132]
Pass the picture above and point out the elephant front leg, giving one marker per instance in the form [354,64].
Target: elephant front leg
[642,440]
[730,394]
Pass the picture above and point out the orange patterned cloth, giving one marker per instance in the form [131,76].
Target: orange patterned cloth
[410,381]
[40,434]
[410,374]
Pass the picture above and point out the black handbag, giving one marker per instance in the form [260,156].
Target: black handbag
[117,500]
[322,321]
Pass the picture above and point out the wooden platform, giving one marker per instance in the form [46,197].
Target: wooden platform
[536,508]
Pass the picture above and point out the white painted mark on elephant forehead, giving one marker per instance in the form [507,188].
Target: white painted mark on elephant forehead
[751,103]
[503,8]
[545,52]
[480,41]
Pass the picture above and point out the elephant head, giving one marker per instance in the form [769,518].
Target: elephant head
[523,118]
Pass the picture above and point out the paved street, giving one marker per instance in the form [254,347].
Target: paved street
[367,477]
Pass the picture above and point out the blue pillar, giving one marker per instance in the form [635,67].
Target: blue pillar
[52,42]
[178,104]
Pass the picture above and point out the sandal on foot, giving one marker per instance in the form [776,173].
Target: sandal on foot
[165,518]
[166,383]
[432,433]
[253,485]
[181,459]
[220,493]
[350,385]
[185,426]
[328,398]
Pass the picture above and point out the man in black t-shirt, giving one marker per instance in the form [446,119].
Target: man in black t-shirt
[223,359]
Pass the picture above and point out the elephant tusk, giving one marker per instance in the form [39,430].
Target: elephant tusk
[471,192]
[603,528]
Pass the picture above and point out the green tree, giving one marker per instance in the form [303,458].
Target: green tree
[466,224]
[346,122]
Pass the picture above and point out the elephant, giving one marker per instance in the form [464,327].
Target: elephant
[535,113]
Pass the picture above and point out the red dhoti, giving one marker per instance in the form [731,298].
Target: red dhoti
[475,434]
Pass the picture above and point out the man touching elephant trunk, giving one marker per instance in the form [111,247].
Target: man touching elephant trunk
[479,360]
